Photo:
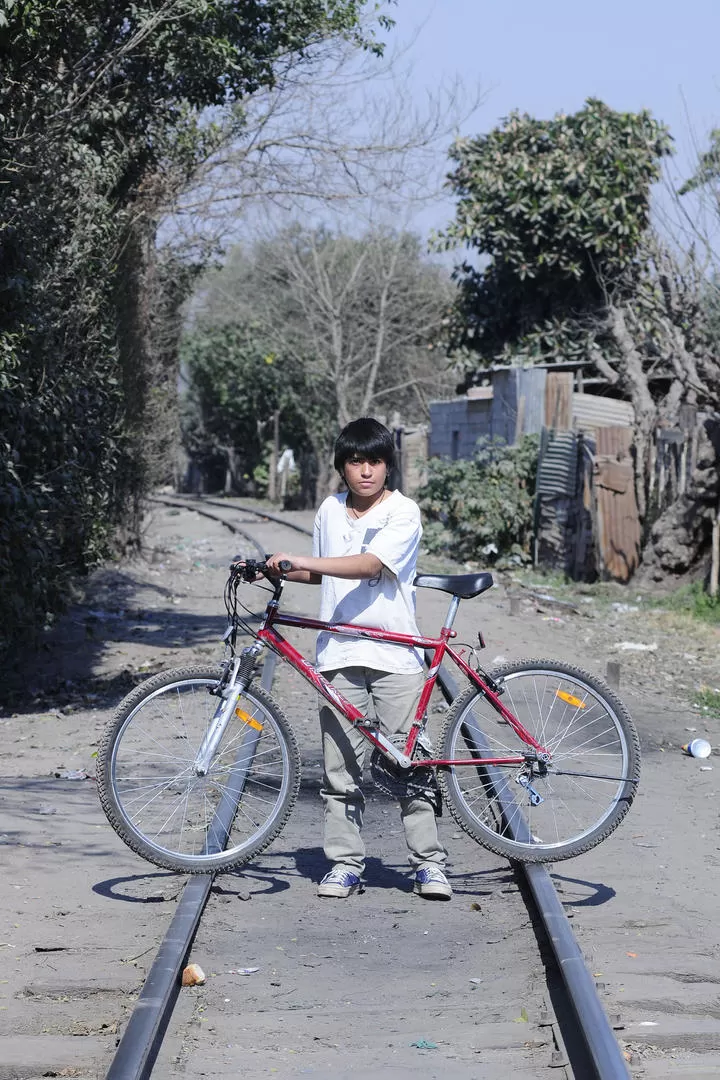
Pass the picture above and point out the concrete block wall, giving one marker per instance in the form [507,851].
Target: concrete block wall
[516,407]
[456,426]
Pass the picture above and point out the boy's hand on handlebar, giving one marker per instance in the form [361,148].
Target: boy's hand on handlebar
[281,563]
[251,570]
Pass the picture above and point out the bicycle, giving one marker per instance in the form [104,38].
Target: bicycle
[199,769]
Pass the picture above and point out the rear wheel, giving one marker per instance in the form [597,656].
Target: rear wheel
[154,798]
[534,813]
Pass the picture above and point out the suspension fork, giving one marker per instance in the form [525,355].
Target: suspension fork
[241,675]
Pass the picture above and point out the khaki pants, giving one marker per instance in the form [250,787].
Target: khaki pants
[394,699]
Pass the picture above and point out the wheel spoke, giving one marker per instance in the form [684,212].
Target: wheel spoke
[590,778]
[158,804]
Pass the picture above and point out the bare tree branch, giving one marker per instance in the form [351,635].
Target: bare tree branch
[357,315]
[334,129]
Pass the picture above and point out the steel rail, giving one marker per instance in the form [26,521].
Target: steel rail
[263,514]
[163,500]
[141,1041]
[191,500]
[603,1054]
[139,1046]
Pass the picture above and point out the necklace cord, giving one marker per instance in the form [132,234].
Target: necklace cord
[355,514]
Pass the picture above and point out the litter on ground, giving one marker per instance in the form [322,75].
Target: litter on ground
[635,646]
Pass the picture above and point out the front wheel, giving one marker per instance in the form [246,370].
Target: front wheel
[150,790]
[537,813]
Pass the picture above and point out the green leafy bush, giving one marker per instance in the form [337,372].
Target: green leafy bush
[482,509]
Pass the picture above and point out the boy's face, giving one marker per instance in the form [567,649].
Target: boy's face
[365,477]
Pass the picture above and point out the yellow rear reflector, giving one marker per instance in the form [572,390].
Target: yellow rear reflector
[570,699]
[247,719]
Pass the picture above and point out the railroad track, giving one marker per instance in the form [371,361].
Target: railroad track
[495,980]
[575,1035]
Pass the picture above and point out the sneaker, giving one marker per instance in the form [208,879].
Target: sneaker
[339,883]
[431,883]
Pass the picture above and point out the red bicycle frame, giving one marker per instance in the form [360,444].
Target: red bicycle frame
[269,636]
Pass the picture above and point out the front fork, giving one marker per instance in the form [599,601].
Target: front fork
[239,678]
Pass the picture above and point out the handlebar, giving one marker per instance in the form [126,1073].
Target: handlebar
[253,567]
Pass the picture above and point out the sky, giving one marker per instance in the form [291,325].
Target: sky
[548,56]
[537,56]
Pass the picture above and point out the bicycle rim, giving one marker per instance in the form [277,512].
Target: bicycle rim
[177,819]
[588,786]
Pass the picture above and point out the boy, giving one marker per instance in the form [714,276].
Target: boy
[364,556]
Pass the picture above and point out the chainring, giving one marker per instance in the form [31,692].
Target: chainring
[402,783]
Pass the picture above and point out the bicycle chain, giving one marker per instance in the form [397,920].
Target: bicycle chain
[401,783]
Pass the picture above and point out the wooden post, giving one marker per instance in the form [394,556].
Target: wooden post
[715,555]
[274,455]
[612,674]
[520,419]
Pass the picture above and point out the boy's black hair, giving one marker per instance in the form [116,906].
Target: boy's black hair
[364,438]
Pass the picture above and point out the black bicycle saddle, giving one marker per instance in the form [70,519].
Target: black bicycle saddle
[461,585]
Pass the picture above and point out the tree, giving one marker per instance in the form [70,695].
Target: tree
[707,173]
[559,211]
[357,316]
[234,388]
[103,118]
[556,210]
[683,532]
[338,126]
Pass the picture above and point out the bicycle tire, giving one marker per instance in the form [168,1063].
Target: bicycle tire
[591,737]
[168,814]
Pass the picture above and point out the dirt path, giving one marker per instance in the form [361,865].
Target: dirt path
[82,916]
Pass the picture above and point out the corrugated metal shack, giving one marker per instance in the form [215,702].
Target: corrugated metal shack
[586,517]
[510,404]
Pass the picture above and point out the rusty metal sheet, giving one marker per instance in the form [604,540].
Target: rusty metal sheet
[616,513]
[559,400]
[614,442]
[615,477]
[594,411]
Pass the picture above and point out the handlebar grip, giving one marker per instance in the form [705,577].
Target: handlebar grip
[285,565]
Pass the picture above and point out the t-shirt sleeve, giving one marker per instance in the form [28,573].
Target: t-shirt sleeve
[396,544]
[317,534]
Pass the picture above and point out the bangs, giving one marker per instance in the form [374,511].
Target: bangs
[367,439]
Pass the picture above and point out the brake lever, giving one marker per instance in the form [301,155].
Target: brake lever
[250,568]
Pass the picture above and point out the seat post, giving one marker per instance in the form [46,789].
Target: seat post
[451,612]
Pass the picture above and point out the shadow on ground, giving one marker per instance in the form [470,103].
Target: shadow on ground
[67,664]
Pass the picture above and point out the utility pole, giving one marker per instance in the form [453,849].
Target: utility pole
[274,456]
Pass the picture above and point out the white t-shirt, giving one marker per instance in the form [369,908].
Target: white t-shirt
[391,531]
